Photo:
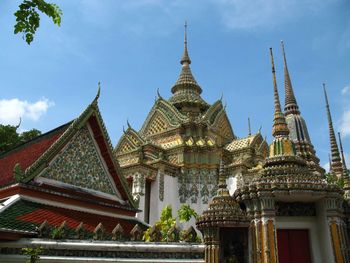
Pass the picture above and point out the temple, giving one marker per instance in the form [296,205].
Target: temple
[66,179]
[256,201]
[173,159]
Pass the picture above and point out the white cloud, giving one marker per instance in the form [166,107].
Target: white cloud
[256,14]
[326,167]
[345,90]
[12,110]
[345,123]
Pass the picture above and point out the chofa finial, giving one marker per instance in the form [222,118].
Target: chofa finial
[98,91]
[127,122]
[158,94]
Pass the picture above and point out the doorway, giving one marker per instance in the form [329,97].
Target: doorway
[234,245]
[293,246]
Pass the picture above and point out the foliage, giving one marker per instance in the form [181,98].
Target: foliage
[28,18]
[10,138]
[332,179]
[33,254]
[57,233]
[185,213]
[167,221]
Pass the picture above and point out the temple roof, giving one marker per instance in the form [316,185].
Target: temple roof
[27,153]
[27,216]
[31,160]
[241,143]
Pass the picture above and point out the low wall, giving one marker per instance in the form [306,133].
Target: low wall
[103,251]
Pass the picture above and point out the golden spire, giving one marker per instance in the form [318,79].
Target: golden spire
[336,161]
[290,105]
[222,186]
[186,89]
[345,169]
[185,57]
[249,129]
[280,128]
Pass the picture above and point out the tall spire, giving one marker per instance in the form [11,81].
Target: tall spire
[185,57]
[280,128]
[249,129]
[290,105]
[335,157]
[345,169]
[186,89]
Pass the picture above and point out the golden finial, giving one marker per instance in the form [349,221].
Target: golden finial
[185,57]
[249,129]
[280,127]
[98,91]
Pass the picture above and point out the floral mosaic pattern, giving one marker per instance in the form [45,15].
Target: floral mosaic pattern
[80,165]
[197,185]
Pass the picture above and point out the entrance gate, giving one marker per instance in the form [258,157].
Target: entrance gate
[293,246]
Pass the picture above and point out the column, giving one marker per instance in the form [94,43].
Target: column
[337,228]
[212,245]
[269,236]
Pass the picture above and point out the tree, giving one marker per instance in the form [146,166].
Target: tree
[167,221]
[10,138]
[185,213]
[28,18]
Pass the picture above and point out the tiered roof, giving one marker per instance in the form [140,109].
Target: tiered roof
[40,169]
[27,216]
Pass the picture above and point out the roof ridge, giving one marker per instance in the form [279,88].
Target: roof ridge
[33,140]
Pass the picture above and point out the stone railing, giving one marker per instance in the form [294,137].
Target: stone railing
[103,251]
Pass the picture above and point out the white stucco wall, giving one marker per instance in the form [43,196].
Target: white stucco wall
[171,197]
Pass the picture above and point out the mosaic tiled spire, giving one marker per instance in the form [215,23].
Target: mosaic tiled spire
[185,57]
[345,169]
[335,156]
[222,186]
[290,105]
[186,89]
[280,128]
[298,131]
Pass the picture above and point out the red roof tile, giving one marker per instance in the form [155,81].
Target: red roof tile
[56,216]
[26,154]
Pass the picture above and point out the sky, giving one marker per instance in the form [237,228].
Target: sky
[134,47]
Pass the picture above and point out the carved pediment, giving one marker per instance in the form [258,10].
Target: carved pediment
[129,142]
[223,126]
[157,124]
[213,112]
[162,117]
[80,164]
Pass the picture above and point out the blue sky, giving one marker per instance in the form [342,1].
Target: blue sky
[134,48]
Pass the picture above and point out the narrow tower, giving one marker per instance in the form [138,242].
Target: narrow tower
[345,170]
[337,167]
[281,145]
[297,126]
[186,91]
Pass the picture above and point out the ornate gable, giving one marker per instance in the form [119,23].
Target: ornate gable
[213,112]
[161,118]
[223,126]
[79,164]
[129,142]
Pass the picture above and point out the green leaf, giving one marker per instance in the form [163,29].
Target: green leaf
[28,18]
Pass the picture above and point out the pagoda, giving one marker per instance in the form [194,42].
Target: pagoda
[174,157]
